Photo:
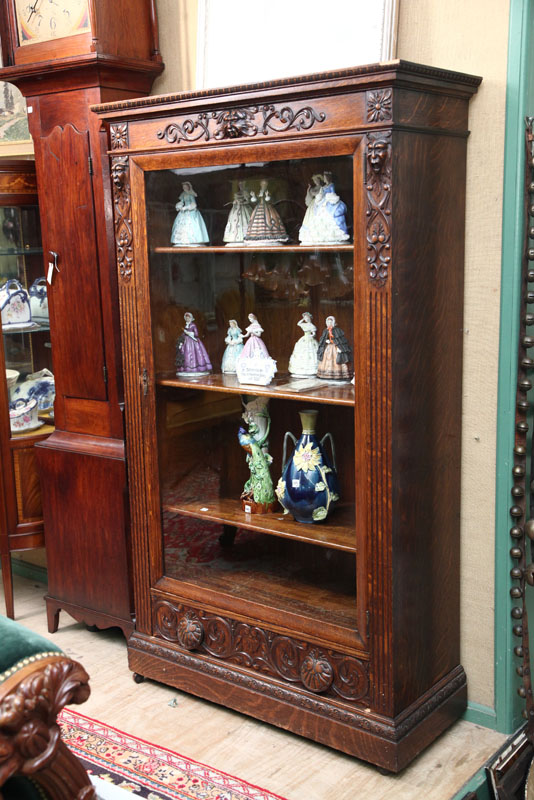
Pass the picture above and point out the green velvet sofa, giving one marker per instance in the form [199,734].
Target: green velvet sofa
[36,681]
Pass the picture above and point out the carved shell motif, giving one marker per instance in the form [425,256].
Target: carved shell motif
[190,631]
[316,672]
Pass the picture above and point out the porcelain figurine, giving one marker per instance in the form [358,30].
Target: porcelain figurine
[265,226]
[303,361]
[256,410]
[234,347]
[238,218]
[334,354]
[192,358]
[189,229]
[308,487]
[324,220]
[254,364]
[258,495]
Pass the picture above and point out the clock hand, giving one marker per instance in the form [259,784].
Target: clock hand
[33,9]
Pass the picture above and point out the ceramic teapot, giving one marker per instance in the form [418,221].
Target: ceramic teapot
[14,305]
[39,386]
[23,415]
[39,301]
[309,486]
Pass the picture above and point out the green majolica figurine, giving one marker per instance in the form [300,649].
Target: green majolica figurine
[258,493]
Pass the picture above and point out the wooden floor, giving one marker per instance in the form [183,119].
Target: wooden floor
[281,762]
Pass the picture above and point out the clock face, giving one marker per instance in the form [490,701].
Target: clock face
[42,20]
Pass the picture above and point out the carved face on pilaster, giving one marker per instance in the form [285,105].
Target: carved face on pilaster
[377,151]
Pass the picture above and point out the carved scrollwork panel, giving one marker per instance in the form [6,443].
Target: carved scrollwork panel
[262,650]
[236,123]
[378,190]
[120,175]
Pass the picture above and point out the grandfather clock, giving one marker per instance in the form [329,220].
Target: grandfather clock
[65,56]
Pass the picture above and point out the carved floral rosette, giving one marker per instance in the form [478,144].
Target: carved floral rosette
[378,212]
[320,670]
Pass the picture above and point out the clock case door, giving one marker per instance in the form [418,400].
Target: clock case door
[88,543]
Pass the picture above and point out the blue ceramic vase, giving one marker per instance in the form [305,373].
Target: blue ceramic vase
[308,487]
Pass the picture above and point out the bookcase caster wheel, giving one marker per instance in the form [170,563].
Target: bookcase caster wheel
[138,678]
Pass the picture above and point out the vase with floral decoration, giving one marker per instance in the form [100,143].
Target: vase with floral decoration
[308,487]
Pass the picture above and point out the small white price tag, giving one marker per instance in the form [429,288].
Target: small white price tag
[50,272]
[295,483]
[248,509]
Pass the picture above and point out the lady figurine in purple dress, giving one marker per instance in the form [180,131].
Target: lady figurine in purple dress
[191,356]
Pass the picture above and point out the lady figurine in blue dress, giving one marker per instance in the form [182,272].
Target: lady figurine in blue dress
[234,347]
[189,229]
[335,205]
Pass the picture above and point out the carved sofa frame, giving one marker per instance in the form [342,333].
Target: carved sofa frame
[34,761]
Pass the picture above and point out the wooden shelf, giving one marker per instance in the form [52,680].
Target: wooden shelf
[283,386]
[319,585]
[43,430]
[282,248]
[33,327]
[338,533]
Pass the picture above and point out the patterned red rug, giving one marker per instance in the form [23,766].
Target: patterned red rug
[120,764]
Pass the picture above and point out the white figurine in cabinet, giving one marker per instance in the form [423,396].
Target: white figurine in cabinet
[239,217]
[324,221]
[234,347]
[303,361]
[255,365]
[189,229]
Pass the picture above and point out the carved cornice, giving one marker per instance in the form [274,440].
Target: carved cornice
[378,191]
[281,657]
[407,68]
[235,123]
[29,734]
[120,176]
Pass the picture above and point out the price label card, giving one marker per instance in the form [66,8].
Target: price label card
[50,272]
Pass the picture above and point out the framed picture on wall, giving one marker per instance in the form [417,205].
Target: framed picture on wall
[15,139]
[242,42]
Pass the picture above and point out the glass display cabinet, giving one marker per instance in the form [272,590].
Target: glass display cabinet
[295,501]
[27,394]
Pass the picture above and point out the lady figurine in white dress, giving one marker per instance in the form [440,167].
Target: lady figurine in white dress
[303,361]
[307,229]
[189,229]
[254,364]
[239,217]
[234,347]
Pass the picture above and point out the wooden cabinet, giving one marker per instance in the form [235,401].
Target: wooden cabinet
[109,52]
[24,354]
[345,630]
